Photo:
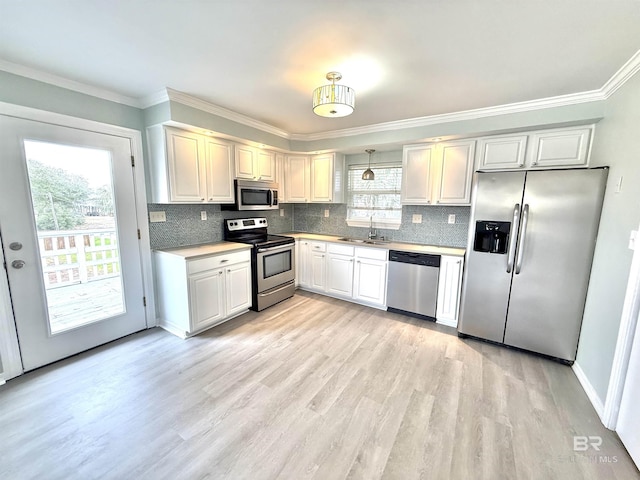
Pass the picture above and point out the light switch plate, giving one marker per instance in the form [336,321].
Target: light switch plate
[157,217]
[452,218]
[203,215]
[416,218]
[326,213]
[282,212]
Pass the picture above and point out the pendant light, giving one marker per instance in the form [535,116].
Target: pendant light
[333,100]
[368,173]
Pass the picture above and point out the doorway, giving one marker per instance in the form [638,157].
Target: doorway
[70,238]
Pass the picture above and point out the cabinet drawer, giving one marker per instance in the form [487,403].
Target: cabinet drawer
[340,249]
[217,261]
[317,246]
[372,253]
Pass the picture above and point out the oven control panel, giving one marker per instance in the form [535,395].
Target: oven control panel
[246,223]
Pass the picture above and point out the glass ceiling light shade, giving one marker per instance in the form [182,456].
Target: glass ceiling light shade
[368,173]
[333,100]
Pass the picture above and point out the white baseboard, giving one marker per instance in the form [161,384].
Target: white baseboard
[589,390]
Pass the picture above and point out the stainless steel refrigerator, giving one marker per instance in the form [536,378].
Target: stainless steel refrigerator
[531,243]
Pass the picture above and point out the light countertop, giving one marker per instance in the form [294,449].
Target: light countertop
[196,251]
[401,246]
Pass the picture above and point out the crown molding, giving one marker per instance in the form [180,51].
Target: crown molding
[68,84]
[559,101]
[627,71]
[191,101]
[619,78]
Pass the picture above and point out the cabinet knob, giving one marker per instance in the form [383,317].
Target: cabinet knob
[220,272]
[228,270]
[202,199]
[211,199]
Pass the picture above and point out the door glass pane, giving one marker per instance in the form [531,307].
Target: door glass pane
[277,263]
[73,203]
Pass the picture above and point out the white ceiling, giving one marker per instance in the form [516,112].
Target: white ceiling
[261,58]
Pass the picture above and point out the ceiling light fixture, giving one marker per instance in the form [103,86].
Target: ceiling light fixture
[368,173]
[333,100]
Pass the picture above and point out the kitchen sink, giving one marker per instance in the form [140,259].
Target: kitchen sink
[363,240]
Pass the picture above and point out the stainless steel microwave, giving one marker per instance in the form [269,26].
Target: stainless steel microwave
[252,195]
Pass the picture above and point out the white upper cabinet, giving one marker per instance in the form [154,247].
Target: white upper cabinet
[327,178]
[187,167]
[296,179]
[502,152]
[456,172]
[255,164]
[437,173]
[282,191]
[417,177]
[219,168]
[557,148]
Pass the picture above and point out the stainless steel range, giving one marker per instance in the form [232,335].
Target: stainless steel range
[272,260]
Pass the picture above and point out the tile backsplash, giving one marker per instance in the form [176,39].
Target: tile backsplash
[184,226]
[434,229]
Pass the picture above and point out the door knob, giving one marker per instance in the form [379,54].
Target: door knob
[15,246]
[17,263]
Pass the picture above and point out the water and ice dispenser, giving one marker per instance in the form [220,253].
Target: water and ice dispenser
[491,237]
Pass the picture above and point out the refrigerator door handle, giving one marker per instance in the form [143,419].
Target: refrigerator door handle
[523,234]
[511,250]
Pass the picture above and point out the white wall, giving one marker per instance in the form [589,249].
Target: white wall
[617,144]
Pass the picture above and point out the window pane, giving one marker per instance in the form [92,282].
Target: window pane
[379,198]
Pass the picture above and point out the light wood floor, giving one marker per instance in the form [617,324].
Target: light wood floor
[311,388]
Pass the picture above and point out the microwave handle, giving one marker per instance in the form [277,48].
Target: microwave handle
[270,197]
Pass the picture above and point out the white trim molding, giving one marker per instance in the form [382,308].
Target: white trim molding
[626,333]
[589,390]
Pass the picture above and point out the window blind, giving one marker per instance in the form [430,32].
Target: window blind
[379,198]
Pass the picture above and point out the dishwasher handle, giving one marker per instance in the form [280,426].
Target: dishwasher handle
[423,259]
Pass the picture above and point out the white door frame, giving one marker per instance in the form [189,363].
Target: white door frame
[628,328]
[9,347]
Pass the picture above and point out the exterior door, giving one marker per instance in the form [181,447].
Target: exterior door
[629,415]
[70,237]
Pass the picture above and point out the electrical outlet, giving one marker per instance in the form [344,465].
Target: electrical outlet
[282,212]
[452,218]
[157,217]
[203,215]
[416,218]
[326,213]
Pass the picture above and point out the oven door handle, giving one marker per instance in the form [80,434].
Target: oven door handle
[279,247]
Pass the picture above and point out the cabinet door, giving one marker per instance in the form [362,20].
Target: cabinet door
[282,191]
[318,273]
[449,284]
[219,163]
[206,298]
[266,166]
[561,147]
[303,263]
[456,172]
[322,178]
[238,287]
[370,281]
[500,153]
[297,179]
[186,165]
[245,158]
[340,275]
[417,178]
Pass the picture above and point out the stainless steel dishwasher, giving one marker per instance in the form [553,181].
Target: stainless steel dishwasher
[412,286]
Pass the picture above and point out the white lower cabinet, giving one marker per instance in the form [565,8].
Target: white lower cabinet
[370,278]
[449,285]
[353,273]
[196,294]
[340,270]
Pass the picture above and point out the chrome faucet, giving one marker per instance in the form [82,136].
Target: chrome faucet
[373,234]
